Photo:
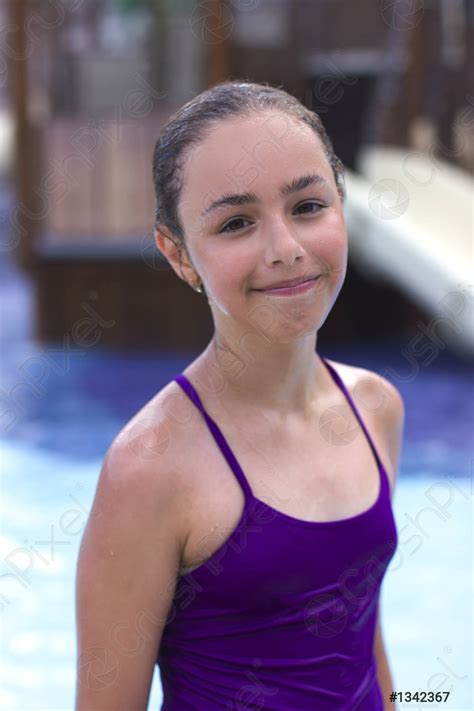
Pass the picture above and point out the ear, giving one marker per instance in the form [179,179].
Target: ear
[176,254]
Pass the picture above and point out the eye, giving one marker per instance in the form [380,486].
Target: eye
[307,203]
[232,222]
[311,203]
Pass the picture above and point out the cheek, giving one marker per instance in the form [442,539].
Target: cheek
[331,243]
[231,268]
[228,274]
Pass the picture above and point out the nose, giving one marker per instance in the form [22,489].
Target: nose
[282,243]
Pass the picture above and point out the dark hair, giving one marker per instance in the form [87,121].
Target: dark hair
[190,124]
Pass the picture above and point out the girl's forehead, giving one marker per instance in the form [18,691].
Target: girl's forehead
[237,152]
[234,134]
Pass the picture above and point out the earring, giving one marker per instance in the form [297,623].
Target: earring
[198,288]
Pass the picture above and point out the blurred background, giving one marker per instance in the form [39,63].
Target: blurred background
[94,322]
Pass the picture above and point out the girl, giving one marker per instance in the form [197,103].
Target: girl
[242,523]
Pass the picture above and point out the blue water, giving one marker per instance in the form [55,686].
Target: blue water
[52,451]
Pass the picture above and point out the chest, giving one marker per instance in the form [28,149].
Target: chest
[324,472]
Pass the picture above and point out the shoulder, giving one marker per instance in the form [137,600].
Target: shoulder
[130,556]
[376,388]
[153,436]
[145,462]
[382,408]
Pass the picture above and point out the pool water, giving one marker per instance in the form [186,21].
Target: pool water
[53,442]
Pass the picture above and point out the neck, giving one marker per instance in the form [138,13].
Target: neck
[280,379]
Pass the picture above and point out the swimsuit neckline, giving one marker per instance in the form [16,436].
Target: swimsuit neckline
[253,501]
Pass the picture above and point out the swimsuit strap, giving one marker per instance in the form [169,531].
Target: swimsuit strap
[189,389]
[339,381]
[191,392]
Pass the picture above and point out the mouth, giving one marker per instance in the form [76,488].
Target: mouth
[293,289]
[290,282]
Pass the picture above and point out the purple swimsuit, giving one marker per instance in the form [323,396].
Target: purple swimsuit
[282,616]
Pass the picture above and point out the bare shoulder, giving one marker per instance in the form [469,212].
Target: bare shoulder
[130,556]
[391,400]
[382,408]
[152,451]
[141,474]
[155,433]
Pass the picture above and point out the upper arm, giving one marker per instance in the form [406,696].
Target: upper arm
[392,425]
[126,576]
[393,421]
[385,402]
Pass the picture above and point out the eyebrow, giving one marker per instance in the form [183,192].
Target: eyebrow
[294,186]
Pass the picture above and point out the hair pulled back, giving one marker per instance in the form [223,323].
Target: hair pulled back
[190,124]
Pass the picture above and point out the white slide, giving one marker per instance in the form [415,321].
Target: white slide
[410,222]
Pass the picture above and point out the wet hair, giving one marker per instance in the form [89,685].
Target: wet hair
[191,124]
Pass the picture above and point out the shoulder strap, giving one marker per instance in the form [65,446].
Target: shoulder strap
[340,382]
[190,391]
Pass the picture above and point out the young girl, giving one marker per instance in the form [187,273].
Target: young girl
[242,523]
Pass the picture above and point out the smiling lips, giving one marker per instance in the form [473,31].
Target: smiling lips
[297,287]
[289,282]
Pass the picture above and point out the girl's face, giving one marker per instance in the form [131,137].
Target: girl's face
[259,205]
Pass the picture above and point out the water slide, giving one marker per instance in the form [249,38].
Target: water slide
[410,222]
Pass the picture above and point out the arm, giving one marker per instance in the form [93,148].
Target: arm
[383,670]
[125,582]
[393,423]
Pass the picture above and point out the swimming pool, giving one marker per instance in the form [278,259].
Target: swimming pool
[52,453]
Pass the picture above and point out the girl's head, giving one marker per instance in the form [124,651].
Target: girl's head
[249,192]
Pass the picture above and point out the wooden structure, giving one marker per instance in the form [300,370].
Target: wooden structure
[83,177]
